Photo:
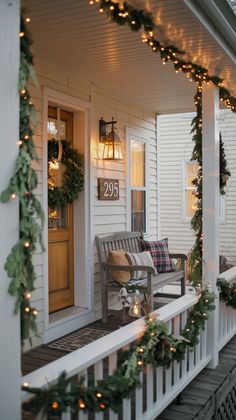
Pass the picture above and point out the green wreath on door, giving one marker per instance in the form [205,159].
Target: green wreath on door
[72,177]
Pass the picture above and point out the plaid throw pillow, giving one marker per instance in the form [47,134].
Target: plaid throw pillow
[160,254]
[142,258]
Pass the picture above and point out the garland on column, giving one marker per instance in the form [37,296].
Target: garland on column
[156,347]
[196,222]
[19,265]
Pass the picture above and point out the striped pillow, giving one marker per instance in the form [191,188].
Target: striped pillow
[142,258]
[160,254]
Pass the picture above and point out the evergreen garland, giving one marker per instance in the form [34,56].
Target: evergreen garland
[137,20]
[224,171]
[73,176]
[140,20]
[227,292]
[196,222]
[156,347]
[19,265]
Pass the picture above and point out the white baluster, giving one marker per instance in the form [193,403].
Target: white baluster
[149,388]
[168,372]
[159,384]
[112,362]
[84,374]
[184,362]
[176,364]
[98,374]
[139,399]
[126,409]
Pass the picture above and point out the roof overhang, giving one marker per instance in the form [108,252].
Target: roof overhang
[220,21]
[77,43]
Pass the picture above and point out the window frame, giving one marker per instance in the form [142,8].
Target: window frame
[140,137]
[185,188]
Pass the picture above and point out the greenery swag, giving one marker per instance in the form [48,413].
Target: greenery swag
[156,347]
[227,292]
[73,175]
[19,265]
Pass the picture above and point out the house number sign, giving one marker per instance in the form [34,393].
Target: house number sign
[108,189]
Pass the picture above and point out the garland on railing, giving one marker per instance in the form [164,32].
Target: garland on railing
[19,265]
[227,292]
[156,347]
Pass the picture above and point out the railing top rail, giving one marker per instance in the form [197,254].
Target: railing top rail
[81,359]
[229,275]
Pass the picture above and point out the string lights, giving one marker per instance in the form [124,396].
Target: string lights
[142,20]
[19,265]
[156,347]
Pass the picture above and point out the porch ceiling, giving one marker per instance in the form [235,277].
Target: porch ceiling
[75,37]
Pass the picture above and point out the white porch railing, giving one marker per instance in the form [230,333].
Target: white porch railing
[160,385]
[227,315]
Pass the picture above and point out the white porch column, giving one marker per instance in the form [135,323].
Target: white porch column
[210,170]
[9,213]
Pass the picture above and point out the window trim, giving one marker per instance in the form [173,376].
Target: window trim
[132,134]
[184,188]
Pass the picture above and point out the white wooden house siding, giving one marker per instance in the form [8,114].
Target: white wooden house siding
[175,147]
[106,216]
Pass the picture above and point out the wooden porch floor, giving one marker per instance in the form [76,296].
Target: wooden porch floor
[199,400]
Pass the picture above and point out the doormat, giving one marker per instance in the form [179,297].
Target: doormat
[77,339]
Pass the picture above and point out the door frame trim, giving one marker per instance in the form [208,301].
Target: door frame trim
[52,330]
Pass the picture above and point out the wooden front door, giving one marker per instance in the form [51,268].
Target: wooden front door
[60,227]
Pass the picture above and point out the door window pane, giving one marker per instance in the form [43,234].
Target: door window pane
[138,211]
[57,218]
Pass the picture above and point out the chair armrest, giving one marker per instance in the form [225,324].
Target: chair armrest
[130,268]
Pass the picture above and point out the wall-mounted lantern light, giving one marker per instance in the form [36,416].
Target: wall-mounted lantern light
[112,144]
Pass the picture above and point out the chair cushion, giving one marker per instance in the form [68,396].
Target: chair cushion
[142,258]
[160,254]
[119,257]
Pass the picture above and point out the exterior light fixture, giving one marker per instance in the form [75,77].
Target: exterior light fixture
[112,144]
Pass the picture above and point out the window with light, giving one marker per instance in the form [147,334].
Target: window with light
[138,185]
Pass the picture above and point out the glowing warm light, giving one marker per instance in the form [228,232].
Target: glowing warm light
[27,244]
[55,405]
[27,309]
[54,164]
[21,34]
[13,196]
[81,404]
[27,20]
[99,395]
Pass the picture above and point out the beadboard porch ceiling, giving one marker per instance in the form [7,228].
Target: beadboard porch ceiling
[75,37]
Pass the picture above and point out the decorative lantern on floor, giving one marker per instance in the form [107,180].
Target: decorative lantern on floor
[135,306]
[112,144]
